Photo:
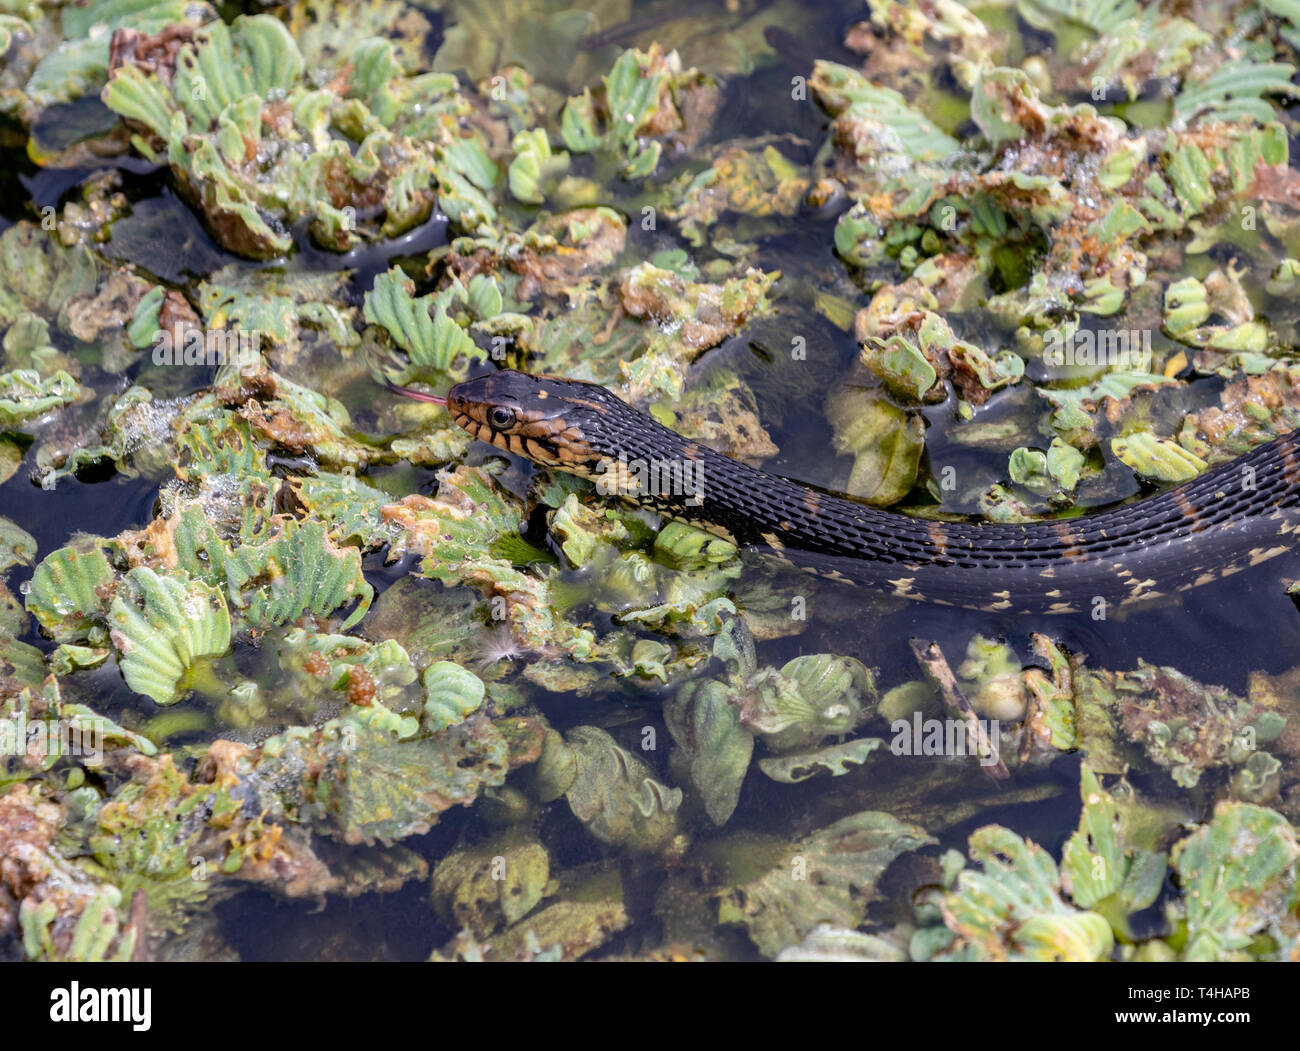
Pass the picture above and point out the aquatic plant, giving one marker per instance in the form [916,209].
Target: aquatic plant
[1010,909]
[1072,269]
[780,892]
[257,146]
[1238,874]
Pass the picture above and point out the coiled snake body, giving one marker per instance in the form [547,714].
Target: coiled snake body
[1239,514]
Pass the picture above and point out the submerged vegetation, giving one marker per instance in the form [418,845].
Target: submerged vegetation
[1014,258]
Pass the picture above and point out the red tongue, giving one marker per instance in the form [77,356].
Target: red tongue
[418,395]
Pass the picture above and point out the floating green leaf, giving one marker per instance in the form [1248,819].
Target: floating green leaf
[17,546]
[881,113]
[781,891]
[1101,868]
[1238,875]
[1235,90]
[615,794]
[1101,16]
[24,395]
[835,760]
[885,441]
[298,570]
[534,163]
[71,590]
[713,748]
[431,339]
[1011,909]
[495,882]
[1155,457]
[452,694]
[162,625]
[811,698]
[360,781]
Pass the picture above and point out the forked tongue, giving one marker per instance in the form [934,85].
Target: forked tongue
[418,395]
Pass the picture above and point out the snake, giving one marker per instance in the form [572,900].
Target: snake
[1238,514]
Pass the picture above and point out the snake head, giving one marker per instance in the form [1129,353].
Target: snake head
[542,418]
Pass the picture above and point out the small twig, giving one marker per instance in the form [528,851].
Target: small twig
[140,924]
[935,666]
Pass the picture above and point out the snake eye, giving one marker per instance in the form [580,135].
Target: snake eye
[500,417]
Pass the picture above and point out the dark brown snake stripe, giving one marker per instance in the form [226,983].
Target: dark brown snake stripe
[1239,514]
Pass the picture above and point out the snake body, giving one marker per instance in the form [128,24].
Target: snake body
[1236,515]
